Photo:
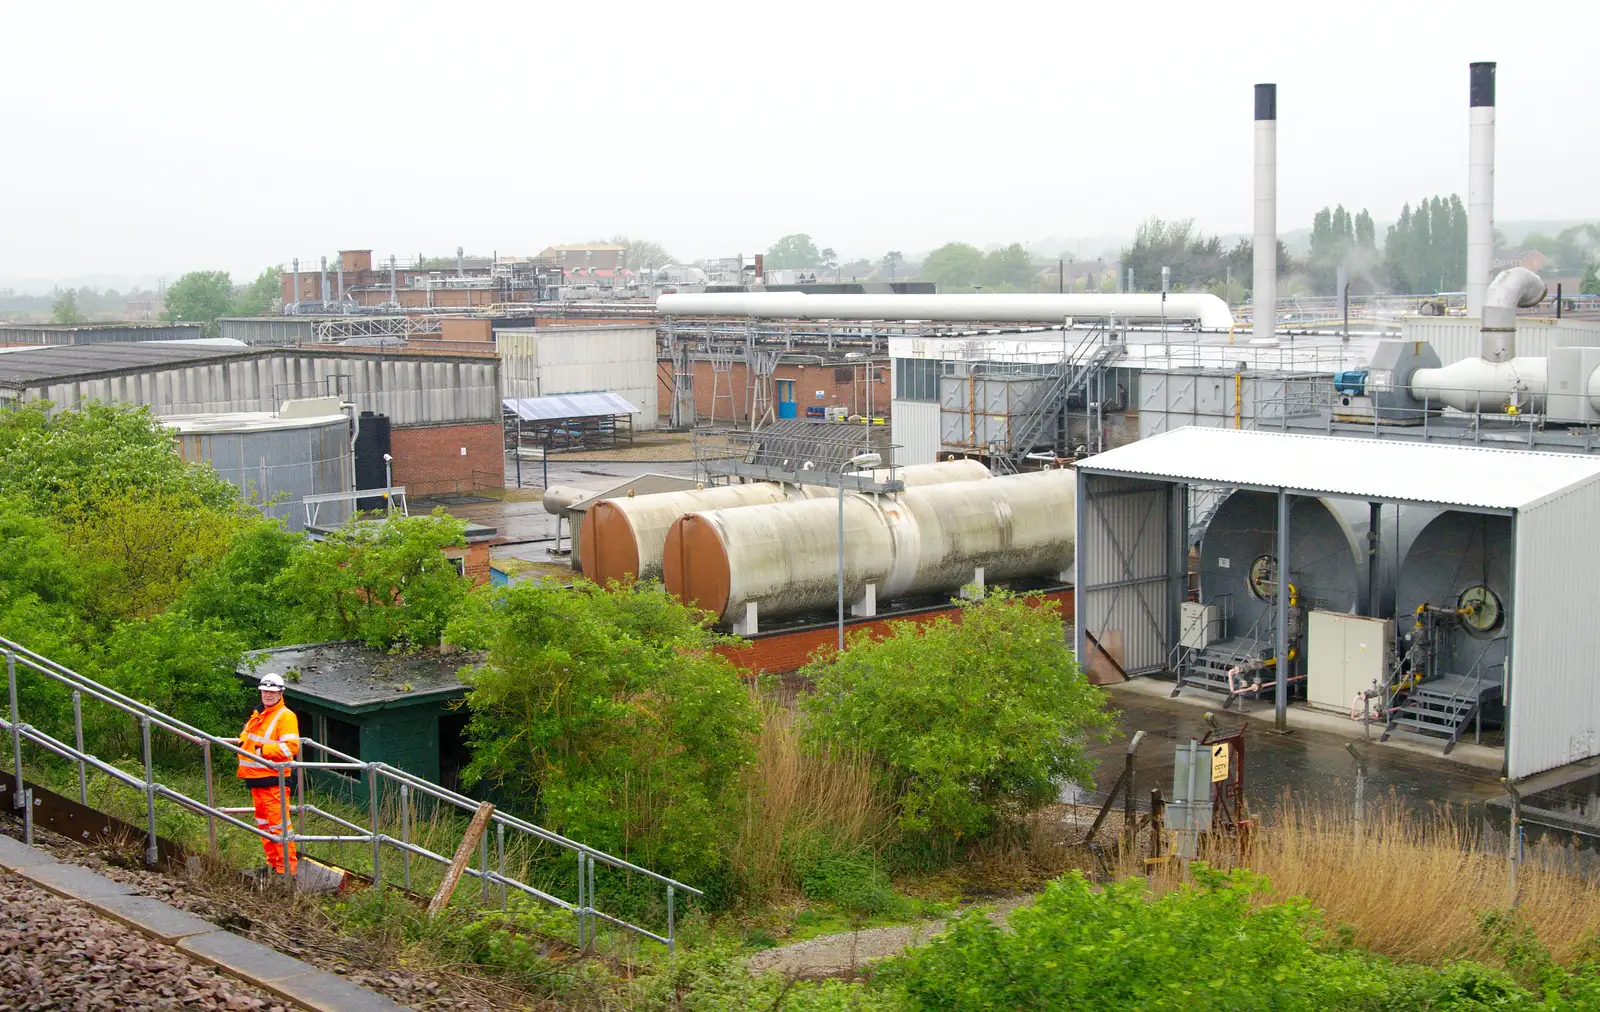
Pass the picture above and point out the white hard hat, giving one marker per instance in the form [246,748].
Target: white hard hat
[272,680]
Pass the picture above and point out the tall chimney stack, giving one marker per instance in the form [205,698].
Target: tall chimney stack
[1480,185]
[1264,296]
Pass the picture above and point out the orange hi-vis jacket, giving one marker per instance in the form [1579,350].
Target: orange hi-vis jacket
[274,734]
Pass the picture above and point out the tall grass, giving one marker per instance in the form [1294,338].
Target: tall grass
[1410,884]
[794,794]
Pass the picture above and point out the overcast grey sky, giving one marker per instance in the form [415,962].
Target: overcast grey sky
[164,137]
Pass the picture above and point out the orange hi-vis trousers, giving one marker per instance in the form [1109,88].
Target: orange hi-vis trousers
[272,818]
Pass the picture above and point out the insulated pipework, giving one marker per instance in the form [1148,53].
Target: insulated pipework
[1264,296]
[1480,185]
[1498,380]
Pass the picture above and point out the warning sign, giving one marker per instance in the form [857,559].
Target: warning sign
[1219,763]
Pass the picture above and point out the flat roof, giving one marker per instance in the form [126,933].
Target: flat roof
[245,421]
[1470,477]
[355,677]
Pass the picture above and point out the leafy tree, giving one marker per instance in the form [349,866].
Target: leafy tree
[1008,269]
[1568,250]
[891,260]
[242,591]
[1426,249]
[261,297]
[795,250]
[610,706]
[828,258]
[1339,240]
[1199,263]
[644,254]
[200,297]
[993,721]
[65,308]
[953,266]
[1591,280]
[384,582]
[179,666]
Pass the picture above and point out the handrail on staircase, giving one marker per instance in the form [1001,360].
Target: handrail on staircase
[20,661]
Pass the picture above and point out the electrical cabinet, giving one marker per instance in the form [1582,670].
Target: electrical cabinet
[1345,655]
[1199,625]
[1568,372]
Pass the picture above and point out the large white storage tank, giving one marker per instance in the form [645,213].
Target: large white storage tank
[274,460]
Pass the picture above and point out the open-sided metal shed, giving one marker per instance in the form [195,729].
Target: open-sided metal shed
[1132,546]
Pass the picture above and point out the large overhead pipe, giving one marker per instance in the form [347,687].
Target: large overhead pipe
[1209,311]
[1264,293]
[1499,377]
[1480,185]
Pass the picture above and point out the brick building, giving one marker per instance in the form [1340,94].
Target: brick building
[353,281]
[844,386]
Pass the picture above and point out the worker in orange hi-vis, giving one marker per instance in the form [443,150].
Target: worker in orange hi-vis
[273,734]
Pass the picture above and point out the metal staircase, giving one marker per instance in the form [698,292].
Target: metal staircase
[1032,429]
[31,676]
[1443,707]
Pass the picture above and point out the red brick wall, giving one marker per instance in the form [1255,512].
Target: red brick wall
[808,379]
[428,459]
[781,652]
[475,561]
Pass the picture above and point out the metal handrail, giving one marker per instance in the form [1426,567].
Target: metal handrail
[583,908]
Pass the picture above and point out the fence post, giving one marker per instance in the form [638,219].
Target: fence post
[17,800]
[1361,788]
[500,849]
[405,834]
[579,904]
[372,827]
[1514,850]
[483,869]
[670,936]
[83,767]
[151,854]
[27,817]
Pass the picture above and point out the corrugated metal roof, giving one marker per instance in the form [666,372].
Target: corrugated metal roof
[67,361]
[555,406]
[1467,476]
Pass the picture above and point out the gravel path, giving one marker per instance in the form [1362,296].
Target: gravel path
[56,954]
[843,954]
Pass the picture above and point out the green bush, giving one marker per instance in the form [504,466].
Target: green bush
[610,707]
[853,880]
[973,720]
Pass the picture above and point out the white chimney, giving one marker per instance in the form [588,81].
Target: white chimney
[1480,185]
[1264,297]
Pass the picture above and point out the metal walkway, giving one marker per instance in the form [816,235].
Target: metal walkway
[23,666]
[1443,707]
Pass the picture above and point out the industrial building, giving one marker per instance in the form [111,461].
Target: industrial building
[354,285]
[30,335]
[1429,589]
[545,361]
[442,412]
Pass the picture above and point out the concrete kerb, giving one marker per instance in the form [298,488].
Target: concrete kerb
[1467,754]
[250,962]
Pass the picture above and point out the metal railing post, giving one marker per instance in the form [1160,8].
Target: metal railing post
[77,728]
[500,850]
[670,935]
[483,868]
[589,895]
[405,835]
[579,903]
[211,798]
[17,800]
[284,812]
[27,817]
[372,829]
[151,854]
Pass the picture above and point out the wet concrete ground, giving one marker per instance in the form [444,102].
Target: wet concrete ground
[1311,763]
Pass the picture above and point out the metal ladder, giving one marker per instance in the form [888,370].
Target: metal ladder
[23,665]
[1087,358]
[1444,706]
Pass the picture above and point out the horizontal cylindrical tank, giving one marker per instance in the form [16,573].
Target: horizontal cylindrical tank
[621,539]
[1461,559]
[559,497]
[926,540]
[624,536]
[1208,310]
[275,461]
[1329,560]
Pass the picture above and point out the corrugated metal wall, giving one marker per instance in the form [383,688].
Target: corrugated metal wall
[282,464]
[422,390]
[1457,338]
[1555,693]
[916,431]
[540,361]
[270,330]
[1124,560]
[22,334]
[1172,400]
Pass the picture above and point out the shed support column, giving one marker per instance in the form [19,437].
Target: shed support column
[1079,569]
[1281,716]
[1374,524]
[1177,562]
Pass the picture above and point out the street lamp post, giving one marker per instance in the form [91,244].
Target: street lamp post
[859,461]
[388,484]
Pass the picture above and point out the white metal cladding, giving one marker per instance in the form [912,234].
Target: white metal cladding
[1466,476]
[541,361]
[1555,645]
[1457,338]
[1123,565]
[1170,400]
[420,390]
[916,431]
